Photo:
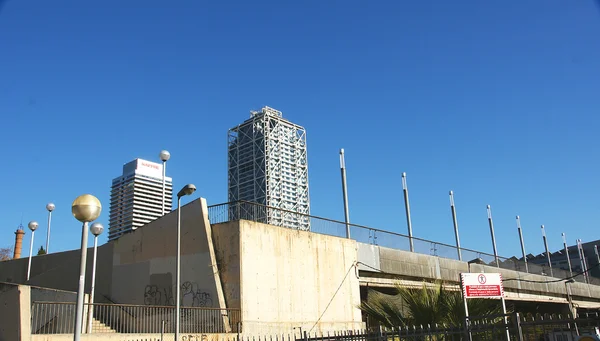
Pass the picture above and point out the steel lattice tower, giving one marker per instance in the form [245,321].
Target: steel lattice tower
[267,164]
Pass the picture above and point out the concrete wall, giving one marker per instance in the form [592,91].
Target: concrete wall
[144,262]
[9,312]
[410,266]
[61,270]
[290,279]
[226,238]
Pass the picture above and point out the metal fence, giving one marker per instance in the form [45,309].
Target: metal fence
[486,328]
[59,318]
[245,210]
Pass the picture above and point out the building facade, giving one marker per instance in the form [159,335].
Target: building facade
[136,197]
[267,165]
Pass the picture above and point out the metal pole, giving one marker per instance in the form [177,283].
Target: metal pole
[585,264]
[569,299]
[80,294]
[491,223]
[164,174]
[345,192]
[522,244]
[30,252]
[455,221]
[407,208]
[564,238]
[48,236]
[178,272]
[581,259]
[547,252]
[571,307]
[462,290]
[505,318]
[91,306]
[597,255]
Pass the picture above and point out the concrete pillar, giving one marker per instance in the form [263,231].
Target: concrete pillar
[18,243]
[25,312]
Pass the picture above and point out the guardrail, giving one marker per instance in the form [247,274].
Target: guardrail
[246,210]
[59,318]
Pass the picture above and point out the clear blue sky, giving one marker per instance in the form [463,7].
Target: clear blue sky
[496,100]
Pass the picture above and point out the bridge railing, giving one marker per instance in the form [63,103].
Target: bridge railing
[246,210]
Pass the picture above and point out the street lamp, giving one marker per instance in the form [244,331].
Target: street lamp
[96,230]
[33,225]
[164,156]
[50,207]
[186,190]
[85,208]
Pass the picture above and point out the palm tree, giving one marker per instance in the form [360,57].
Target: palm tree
[428,305]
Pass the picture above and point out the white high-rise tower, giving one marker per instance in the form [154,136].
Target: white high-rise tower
[268,165]
[136,197]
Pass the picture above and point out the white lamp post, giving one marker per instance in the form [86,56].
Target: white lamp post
[186,190]
[164,156]
[96,230]
[85,208]
[50,207]
[33,225]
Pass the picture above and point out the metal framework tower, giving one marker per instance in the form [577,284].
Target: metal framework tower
[267,164]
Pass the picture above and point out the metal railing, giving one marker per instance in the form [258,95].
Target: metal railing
[59,318]
[493,328]
[245,210]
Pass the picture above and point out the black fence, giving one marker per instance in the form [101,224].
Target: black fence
[512,327]
[245,210]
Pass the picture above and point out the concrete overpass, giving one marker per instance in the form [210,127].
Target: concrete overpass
[382,267]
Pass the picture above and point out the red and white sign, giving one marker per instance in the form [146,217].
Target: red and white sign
[148,168]
[482,285]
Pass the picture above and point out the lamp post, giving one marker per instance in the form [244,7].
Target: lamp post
[407,209]
[491,223]
[50,207]
[85,208]
[345,192]
[33,225]
[547,252]
[186,190]
[455,222]
[564,238]
[164,156]
[96,230]
[522,243]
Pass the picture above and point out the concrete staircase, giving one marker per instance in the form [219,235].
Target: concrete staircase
[99,327]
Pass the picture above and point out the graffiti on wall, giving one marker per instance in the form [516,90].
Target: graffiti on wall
[194,297]
[159,291]
[154,295]
[162,294]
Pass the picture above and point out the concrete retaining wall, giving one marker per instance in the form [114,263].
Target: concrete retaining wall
[61,270]
[144,262]
[418,267]
[9,312]
[292,279]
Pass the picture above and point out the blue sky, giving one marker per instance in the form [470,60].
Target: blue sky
[495,100]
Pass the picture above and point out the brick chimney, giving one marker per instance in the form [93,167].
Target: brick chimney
[18,242]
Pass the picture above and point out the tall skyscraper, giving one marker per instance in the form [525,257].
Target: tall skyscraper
[268,165]
[136,197]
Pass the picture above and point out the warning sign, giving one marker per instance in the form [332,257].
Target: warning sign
[482,285]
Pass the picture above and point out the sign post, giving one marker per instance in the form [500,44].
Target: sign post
[484,285]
